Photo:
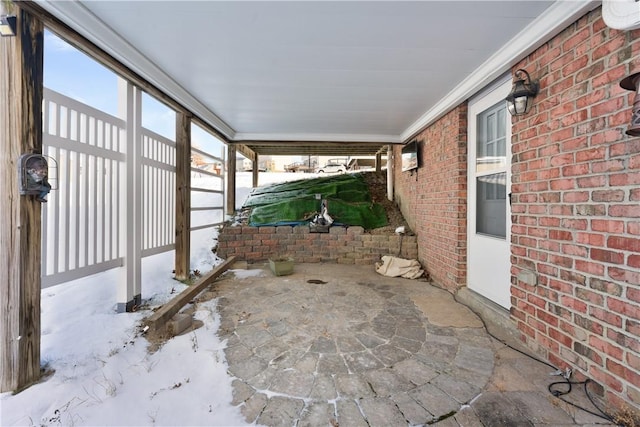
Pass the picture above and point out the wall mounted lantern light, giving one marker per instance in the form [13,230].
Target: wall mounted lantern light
[632,82]
[520,100]
[7,25]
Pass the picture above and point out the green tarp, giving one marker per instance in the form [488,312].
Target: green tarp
[295,202]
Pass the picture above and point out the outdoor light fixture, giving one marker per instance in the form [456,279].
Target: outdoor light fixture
[7,25]
[632,82]
[520,99]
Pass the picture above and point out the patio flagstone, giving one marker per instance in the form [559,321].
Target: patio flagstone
[340,345]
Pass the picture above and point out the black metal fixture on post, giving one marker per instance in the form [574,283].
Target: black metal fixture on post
[520,99]
[7,25]
[632,82]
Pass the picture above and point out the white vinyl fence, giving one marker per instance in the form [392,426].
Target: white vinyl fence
[81,230]
[82,227]
[158,192]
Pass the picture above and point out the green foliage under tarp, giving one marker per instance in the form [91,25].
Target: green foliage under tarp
[295,202]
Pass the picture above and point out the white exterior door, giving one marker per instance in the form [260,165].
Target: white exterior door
[489,184]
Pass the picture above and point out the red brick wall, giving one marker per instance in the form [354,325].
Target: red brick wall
[433,198]
[342,245]
[576,210]
[576,207]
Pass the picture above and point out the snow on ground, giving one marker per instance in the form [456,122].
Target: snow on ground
[243,181]
[102,371]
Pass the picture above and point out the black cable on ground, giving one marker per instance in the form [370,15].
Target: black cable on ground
[570,384]
[602,414]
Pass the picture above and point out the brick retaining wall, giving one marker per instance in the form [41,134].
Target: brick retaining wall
[342,245]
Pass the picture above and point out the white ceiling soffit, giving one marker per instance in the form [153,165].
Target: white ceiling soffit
[551,22]
[318,71]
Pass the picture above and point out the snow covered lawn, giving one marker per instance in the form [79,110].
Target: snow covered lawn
[102,372]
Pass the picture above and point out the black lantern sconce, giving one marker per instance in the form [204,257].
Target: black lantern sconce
[7,25]
[520,100]
[632,82]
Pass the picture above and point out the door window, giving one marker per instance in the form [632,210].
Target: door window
[491,177]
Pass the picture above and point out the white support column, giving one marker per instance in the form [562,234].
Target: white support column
[390,156]
[130,109]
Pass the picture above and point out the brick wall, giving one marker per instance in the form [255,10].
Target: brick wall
[433,198]
[344,245]
[576,210]
[576,207]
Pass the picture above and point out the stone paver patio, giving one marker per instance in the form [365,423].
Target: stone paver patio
[336,345]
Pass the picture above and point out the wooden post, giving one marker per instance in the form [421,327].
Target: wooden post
[183,196]
[378,161]
[231,179]
[254,172]
[21,86]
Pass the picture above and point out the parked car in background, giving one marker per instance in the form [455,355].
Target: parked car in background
[332,168]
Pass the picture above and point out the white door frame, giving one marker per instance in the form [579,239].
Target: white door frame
[488,257]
